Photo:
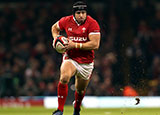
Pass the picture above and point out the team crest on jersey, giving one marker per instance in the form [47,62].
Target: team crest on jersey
[69,29]
[83,29]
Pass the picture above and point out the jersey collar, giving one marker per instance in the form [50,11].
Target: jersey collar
[77,22]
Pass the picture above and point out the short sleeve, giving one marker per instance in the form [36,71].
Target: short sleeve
[94,28]
[62,23]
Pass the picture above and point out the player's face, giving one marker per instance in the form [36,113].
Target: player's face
[80,16]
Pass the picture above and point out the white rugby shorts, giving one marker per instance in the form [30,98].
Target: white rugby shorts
[83,70]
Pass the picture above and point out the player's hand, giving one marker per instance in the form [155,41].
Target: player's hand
[70,45]
[66,46]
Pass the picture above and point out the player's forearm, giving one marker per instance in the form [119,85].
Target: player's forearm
[55,31]
[93,44]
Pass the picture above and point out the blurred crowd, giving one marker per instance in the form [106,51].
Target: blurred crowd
[129,53]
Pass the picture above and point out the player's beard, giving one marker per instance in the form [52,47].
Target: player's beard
[81,20]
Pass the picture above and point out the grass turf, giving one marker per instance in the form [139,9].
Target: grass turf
[85,111]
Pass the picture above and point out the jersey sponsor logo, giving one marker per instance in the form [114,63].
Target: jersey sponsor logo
[78,38]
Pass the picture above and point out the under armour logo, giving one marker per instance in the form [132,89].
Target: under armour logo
[69,29]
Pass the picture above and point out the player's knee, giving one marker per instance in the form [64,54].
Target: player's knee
[64,79]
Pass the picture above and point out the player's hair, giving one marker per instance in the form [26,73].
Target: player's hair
[80,5]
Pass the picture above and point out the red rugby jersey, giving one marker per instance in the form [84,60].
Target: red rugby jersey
[79,33]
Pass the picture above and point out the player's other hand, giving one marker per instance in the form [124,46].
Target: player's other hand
[70,45]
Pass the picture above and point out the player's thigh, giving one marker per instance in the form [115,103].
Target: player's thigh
[67,70]
[81,84]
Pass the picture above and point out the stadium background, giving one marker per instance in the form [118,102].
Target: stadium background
[129,53]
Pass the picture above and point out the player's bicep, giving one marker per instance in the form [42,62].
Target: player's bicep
[95,39]
[55,30]
[56,26]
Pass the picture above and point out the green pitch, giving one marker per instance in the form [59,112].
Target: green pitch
[85,111]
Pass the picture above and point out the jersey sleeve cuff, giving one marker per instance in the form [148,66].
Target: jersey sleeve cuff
[91,33]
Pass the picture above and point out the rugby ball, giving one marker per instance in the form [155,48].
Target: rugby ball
[59,43]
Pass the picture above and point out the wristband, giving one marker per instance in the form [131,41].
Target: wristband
[58,36]
[81,45]
[76,46]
